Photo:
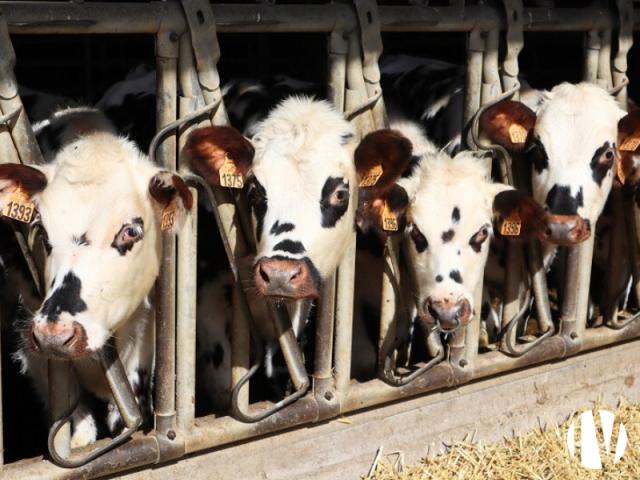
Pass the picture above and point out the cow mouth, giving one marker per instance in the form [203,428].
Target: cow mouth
[54,342]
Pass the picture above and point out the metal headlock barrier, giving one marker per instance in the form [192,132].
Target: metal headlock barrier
[187,53]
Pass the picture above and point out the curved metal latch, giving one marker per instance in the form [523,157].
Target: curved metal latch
[125,400]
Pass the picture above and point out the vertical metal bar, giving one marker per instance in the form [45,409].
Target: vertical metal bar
[186,320]
[473,77]
[165,286]
[59,372]
[356,88]
[605,80]
[625,42]
[345,278]
[389,302]
[491,87]
[323,378]
[591,56]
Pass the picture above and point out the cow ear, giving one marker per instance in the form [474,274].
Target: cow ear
[508,124]
[374,206]
[174,198]
[629,147]
[386,149]
[209,148]
[515,211]
[30,180]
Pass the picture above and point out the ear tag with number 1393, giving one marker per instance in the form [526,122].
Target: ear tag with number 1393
[19,206]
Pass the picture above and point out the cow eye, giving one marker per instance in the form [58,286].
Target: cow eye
[340,196]
[607,157]
[480,236]
[129,234]
[256,197]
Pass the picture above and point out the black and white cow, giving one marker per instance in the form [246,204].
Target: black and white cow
[571,148]
[99,203]
[447,207]
[300,178]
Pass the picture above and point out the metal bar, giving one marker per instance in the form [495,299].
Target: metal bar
[102,17]
[165,285]
[616,271]
[591,56]
[491,86]
[186,288]
[323,384]
[356,93]
[59,372]
[473,77]
[389,305]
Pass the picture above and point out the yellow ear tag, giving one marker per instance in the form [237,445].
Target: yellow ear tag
[621,176]
[630,144]
[372,177]
[517,133]
[168,217]
[19,206]
[511,225]
[230,177]
[389,220]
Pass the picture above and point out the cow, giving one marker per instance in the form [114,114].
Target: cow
[447,208]
[571,147]
[299,177]
[97,203]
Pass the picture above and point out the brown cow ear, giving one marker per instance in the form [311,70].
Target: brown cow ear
[385,154]
[381,212]
[174,198]
[209,148]
[519,216]
[508,124]
[13,176]
[628,147]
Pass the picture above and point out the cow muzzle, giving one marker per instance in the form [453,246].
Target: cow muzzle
[66,340]
[284,278]
[449,315]
[568,230]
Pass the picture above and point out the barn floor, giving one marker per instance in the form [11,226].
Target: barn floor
[494,407]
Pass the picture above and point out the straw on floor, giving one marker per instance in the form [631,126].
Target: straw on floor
[539,454]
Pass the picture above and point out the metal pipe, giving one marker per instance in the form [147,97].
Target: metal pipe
[59,373]
[591,56]
[165,285]
[186,288]
[473,77]
[616,271]
[491,86]
[389,305]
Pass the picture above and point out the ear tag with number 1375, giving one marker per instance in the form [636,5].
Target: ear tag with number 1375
[230,177]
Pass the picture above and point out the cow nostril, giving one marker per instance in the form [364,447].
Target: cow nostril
[296,274]
[34,338]
[264,275]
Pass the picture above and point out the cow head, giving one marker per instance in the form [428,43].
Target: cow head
[99,207]
[570,144]
[447,207]
[299,177]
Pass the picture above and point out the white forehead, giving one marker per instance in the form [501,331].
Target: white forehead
[575,120]
[96,183]
[303,137]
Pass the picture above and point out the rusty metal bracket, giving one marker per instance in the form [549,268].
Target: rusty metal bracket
[125,400]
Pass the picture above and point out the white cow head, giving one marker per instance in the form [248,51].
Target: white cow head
[446,206]
[99,205]
[300,177]
[571,148]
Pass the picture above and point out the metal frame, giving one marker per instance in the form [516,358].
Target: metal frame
[187,55]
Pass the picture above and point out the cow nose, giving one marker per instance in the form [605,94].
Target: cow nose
[450,315]
[59,339]
[568,230]
[284,277]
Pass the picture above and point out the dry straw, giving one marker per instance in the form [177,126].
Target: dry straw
[540,454]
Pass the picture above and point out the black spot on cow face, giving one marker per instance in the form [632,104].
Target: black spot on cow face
[279,228]
[537,155]
[479,238]
[66,298]
[258,201]
[602,162]
[419,240]
[455,215]
[439,278]
[447,236]
[561,202]
[290,246]
[49,138]
[82,240]
[455,276]
[413,163]
[334,202]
